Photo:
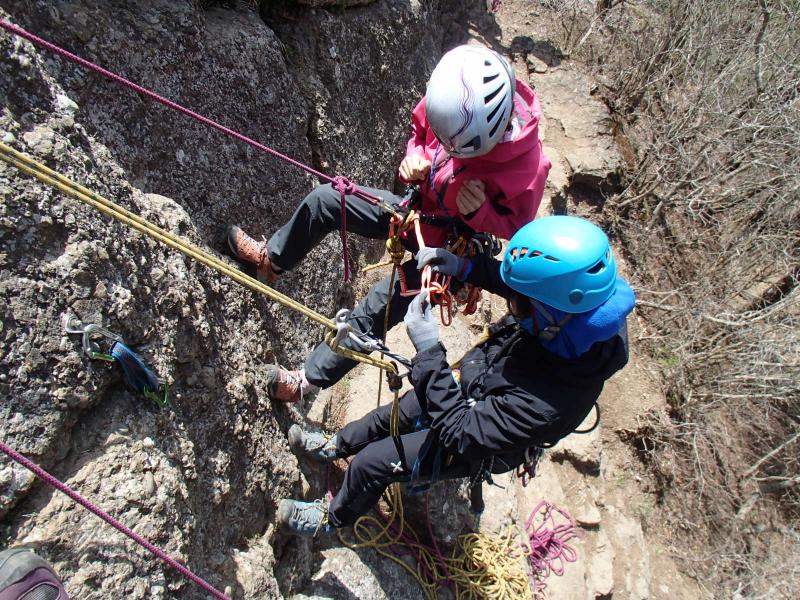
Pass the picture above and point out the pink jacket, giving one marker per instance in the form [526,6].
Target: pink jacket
[513,173]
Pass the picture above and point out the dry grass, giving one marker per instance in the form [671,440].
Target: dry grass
[708,95]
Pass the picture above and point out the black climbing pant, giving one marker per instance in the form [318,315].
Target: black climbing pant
[318,215]
[381,460]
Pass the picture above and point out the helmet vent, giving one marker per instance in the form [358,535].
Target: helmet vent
[521,252]
[596,268]
[490,117]
[490,78]
[552,258]
[492,95]
[474,143]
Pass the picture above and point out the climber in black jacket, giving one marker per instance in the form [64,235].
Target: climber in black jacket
[531,383]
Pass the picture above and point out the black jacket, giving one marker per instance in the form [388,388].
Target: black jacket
[525,395]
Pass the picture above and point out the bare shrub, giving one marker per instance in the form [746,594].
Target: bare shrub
[707,93]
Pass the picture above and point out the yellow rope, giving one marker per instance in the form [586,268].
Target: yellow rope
[54,179]
[386,329]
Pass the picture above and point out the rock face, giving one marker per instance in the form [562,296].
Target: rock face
[202,477]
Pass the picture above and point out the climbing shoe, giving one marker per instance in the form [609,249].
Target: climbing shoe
[25,576]
[315,444]
[304,518]
[248,250]
[287,386]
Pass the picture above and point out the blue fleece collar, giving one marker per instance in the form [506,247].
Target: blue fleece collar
[585,329]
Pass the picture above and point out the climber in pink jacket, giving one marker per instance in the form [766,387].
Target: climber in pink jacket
[476,155]
[497,192]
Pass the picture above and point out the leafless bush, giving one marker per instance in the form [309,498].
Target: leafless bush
[708,94]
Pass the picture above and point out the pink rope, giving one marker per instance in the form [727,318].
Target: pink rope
[549,546]
[344,186]
[439,555]
[352,188]
[49,479]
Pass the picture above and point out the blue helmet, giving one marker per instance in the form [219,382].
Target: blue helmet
[564,262]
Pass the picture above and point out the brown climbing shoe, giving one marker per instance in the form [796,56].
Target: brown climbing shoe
[287,386]
[248,250]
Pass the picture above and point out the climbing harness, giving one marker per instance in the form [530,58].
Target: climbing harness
[437,284]
[54,179]
[596,421]
[137,376]
[64,489]
[341,184]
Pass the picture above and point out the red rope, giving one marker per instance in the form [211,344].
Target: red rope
[345,187]
[49,479]
[351,188]
[550,551]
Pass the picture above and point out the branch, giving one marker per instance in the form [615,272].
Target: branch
[766,457]
[758,45]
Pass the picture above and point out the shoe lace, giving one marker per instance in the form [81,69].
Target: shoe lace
[292,379]
[262,251]
[317,441]
[311,512]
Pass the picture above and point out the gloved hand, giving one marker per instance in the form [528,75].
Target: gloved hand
[441,260]
[421,327]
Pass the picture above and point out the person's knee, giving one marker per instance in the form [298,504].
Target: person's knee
[320,198]
[360,468]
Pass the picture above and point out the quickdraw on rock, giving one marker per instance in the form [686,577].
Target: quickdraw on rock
[137,376]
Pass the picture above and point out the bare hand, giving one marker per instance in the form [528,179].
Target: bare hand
[471,196]
[414,168]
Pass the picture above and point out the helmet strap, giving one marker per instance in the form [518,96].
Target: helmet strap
[553,328]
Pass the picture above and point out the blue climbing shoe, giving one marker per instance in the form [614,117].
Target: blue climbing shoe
[25,576]
[317,445]
[304,518]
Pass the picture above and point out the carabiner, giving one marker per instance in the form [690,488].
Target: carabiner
[73,324]
[342,325]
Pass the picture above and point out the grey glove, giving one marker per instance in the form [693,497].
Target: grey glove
[422,328]
[441,260]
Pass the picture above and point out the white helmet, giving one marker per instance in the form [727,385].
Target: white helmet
[470,99]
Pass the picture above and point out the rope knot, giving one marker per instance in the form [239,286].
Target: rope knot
[343,185]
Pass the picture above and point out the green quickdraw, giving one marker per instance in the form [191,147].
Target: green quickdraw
[138,377]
